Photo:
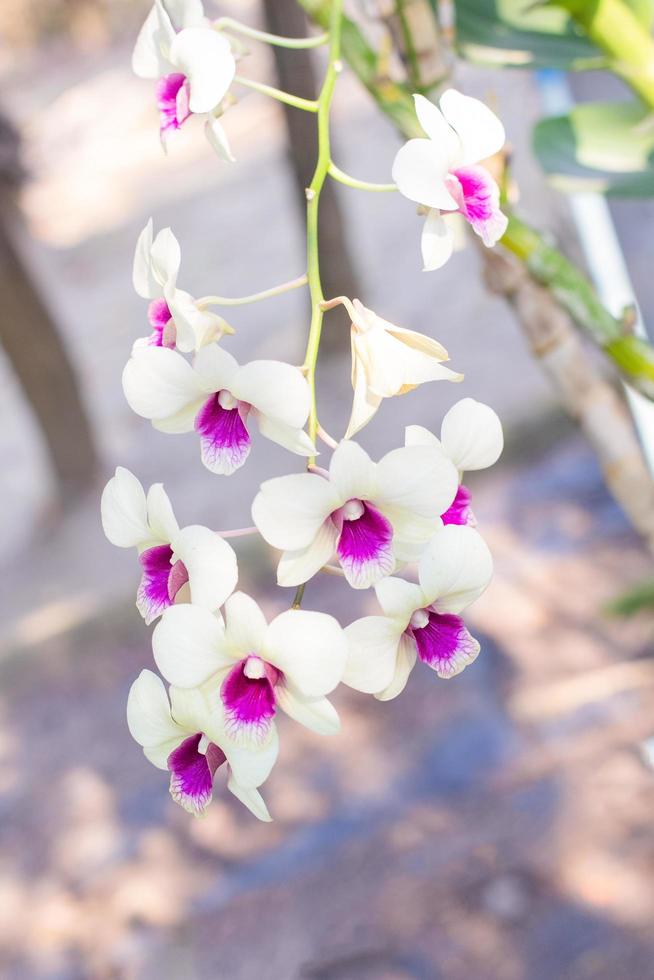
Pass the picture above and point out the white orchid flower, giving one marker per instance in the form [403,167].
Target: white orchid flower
[421,621]
[174,739]
[442,172]
[472,438]
[175,317]
[216,397]
[388,360]
[370,515]
[195,67]
[246,669]
[191,564]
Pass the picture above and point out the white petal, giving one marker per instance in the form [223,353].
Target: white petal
[471,435]
[317,714]
[160,514]
[291,438]
[188,645]
[436,127]
[372,652]
[182,421]
[398,598]
[211,565]
[480,131]
[310,648]
[142,278]
[165,258]
[251,767]
[455,568]
[417,435]
[186,13]
[406,659]
[351,472]
[436,242]
[365,403]
[194,327]
[124,511]
[158,383]
[200,709]
[245,625]
[276,389]
[302,564]
[217,138]
[206,58]
[149,719]
[251,798]
[419,170]
[418,479]
[290,510]
[150,57]
[216,368]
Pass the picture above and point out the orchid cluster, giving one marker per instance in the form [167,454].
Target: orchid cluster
[229,671]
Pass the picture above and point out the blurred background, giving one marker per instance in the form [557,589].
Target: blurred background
[499,826]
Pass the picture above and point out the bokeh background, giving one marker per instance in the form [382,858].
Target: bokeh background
[497,826]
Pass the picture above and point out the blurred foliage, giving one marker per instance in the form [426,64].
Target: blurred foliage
[638,599]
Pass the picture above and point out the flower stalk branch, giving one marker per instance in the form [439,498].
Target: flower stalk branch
[293,43]
[284,287]
[362,185]
[308,105]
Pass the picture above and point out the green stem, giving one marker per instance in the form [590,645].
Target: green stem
[295,43]
[411,52]
[276,93]
[613,27]
[285,287]
[313,202]
[362,185]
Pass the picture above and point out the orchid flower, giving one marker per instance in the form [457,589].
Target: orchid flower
[370,515]
[175,318]
[471,437]
[242,671]
[175,739]
[191,564]
[217,397]
[421,621]
[442,173]
[194,65]
[388,360]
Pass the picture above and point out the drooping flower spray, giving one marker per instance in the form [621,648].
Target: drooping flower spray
[230,672]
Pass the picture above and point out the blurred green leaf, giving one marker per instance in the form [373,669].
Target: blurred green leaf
[604,147]
[638,599]
[522,33]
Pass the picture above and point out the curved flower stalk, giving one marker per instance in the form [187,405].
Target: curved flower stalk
[191,564]
[421,621]
[369,515]
[239,674]
[388,360]
[176,319]
[472,438]
[174,739]
[194,66]
[442,173]
[217,397]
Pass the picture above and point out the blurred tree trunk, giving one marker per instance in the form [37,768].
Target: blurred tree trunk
[296,74]
[33,345]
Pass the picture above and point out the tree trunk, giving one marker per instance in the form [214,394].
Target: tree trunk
[296,74]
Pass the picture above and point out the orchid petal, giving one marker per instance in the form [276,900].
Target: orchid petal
[480,131]
[417,435]
[161,518]
[151,55]
[158,383]
[291,438]
[251,798]
[206,58]
[300,565]
[437,241]
[372,652]
[290,510]
[188,645]
[351,472]
[455,568]
[216,368]
[276,389]
[398,598]
[211,565]
[124,510]
[217,139]
[309,648]
[437,128]
[149,719]
[317,714]
[471,435]
[245,626]
[406,658]
[418,479]
[420,169]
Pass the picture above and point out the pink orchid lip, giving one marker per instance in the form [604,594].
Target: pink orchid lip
[365,538]
[161,320]
[220,423]
[477,196]
[248,694]
[460,511]
[172,95]
[441,639]
[161,581]
[192,771]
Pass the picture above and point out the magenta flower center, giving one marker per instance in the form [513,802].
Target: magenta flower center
[173,102]
[160,582]
[248,694]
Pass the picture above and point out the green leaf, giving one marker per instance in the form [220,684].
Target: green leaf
[521,33]
[599,146]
